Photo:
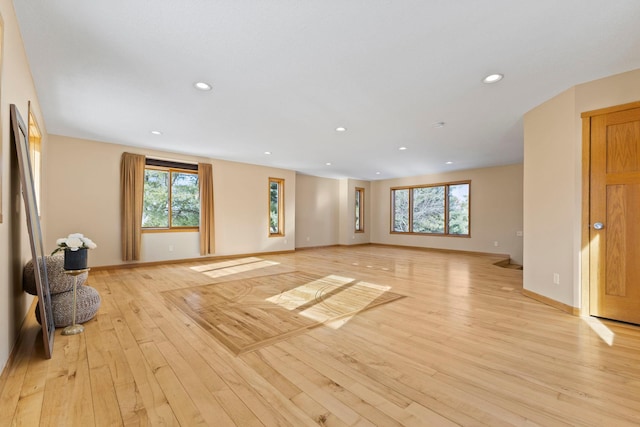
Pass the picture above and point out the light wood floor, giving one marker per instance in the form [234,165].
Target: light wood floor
[464,347]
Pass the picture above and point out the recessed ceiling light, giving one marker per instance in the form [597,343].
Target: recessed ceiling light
[202,86]
[341,129]
[156,132]
[268,153]
[377,173]
[448,163]
[328,163]
[493,78]
[438,124]
[402,148]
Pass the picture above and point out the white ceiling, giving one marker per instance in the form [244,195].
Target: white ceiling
[286,73]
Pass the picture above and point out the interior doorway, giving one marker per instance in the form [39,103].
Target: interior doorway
[611,213]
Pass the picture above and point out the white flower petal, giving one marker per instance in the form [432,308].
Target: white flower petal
[74,243]
[88,243]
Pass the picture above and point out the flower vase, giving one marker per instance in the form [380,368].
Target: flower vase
[75,260]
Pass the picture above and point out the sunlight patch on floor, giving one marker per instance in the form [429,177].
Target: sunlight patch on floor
[307,293]
[600,328]
[324,299]
[339,323]
[234,266]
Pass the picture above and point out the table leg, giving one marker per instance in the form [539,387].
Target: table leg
[74,328]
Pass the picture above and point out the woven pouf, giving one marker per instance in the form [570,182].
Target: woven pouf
[87,303]
[59,281]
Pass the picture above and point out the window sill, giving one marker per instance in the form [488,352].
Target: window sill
[171,230]
[430,234]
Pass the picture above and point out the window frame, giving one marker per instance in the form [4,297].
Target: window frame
[280,182]
[359,210]
[410,189]
[153,165]
[35,156]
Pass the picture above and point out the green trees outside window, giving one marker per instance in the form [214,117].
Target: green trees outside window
[441,209]
[428,210]
[276,207]
[171,199]
[400,199]
[459,209]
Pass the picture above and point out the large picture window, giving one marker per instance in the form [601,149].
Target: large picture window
[439,209]
[276,207]
[171,198]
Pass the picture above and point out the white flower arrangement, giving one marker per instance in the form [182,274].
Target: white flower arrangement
[74,242]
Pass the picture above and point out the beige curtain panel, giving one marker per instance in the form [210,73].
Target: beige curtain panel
[131,194]
[207,236]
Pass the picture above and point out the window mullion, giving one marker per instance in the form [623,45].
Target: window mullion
[446,209]
[170,199]
[410,210]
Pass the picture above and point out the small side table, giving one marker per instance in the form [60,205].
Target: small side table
[74,328]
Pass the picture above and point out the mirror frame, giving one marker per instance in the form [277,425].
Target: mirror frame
[20,136]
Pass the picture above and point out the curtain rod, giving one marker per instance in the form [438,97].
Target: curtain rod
[166,159]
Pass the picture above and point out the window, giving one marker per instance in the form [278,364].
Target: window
[171,196]
[440,209]
[359,210]
[35,155]
[276,207]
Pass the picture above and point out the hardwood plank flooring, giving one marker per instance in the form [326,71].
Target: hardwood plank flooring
[463,347]
[248,314]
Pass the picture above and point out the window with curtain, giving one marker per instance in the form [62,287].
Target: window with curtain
[159,195]
[171,200]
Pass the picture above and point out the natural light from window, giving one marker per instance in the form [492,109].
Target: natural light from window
[332,299]
[600,328]
[233,266]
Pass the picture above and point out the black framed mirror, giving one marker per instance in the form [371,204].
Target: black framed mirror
[20,137]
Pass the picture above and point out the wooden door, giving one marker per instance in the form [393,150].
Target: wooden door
[614,233]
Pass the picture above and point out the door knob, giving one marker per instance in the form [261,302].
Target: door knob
[598,226]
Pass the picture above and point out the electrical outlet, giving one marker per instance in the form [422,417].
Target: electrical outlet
[308,238]
[285,241]
[556,278]
[496,244]
[170,248]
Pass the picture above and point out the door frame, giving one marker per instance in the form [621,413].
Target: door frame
[585,307]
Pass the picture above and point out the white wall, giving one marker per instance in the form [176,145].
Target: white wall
[343,222]
[348,236]
[317,211]
[242,208]
[325,211]
[17,88]
[553,183]
[496,211]
[86,199]
[550,190]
